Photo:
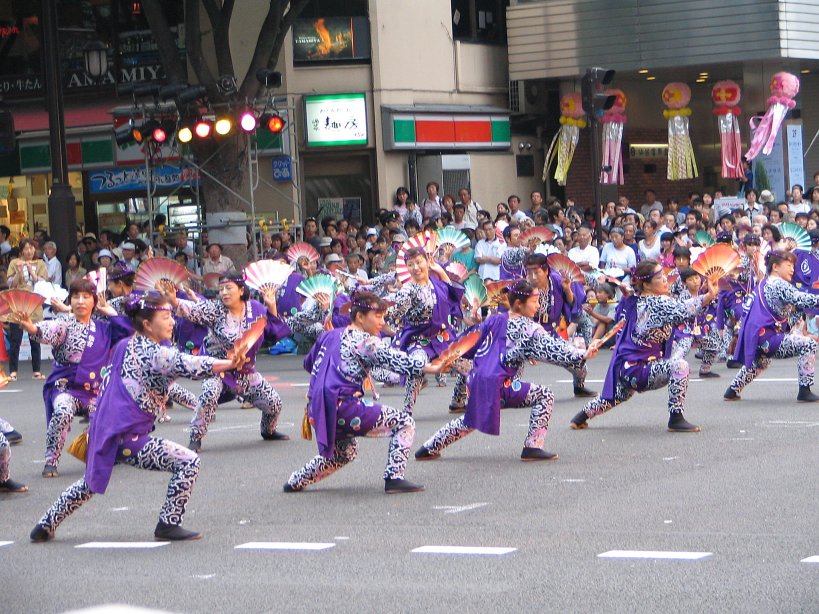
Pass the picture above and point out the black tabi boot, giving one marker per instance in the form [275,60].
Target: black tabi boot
[399,486]
[173,532]
[579,421]
[731,395]
[537,454]
[678,424]
[40,534]
[806,396]
[583,392]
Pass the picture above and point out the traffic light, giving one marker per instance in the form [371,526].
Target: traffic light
[272,121]
[592,91]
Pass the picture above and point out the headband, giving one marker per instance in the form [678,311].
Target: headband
[647,277]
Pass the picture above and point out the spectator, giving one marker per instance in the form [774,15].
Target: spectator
[584,254]
[55,269]
[650,202]
[514,209]
[472,208]
[650,246]
[400,204]
[23,273]
[73,270]
[797,205]
[105,258]
[311,235]
[488,252]
[216,262]
[5,246]
[617,254]
[431,206]
[535,203]
[413,214]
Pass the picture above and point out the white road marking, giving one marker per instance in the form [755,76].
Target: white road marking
[797,423]
[670,458]
[4,391]
[775,379]
[738,439]
[496,551]
[457,509]
[654,554]
[588,381]
[573,480]
[119,509]
[5,544]
[810,559]
[122,545]
[206,576]
[283,546]
[340,537]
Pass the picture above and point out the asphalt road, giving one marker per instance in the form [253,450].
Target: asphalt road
[740,498]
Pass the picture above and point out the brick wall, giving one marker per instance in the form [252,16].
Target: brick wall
[637,180]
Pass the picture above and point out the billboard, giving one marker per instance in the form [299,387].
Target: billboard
[335,119]
[331,39]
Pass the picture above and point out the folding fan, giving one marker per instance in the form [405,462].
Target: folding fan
[99,278]
[4,379]
[318,284]
[696,252]
[457,271]
[456,349]
[267,274]
[302,250]
[758,263]
[21,301]
[48,290]
[539,233]
[248,338]
[494,290]
[566,267]
[155,270]
[5,313]
[671,274]
[797,233]
[454,237]
[474,290]
[211,281]
[422,239]
[614,330]
[704,239]
[716,262]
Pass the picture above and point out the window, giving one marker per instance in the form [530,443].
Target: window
[479,21]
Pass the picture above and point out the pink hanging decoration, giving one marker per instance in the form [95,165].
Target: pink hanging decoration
[681,162]
[784,88]
[572,119]
[726,95]
[613,121]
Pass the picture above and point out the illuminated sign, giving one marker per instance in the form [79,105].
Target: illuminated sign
[335,119]
[331,39]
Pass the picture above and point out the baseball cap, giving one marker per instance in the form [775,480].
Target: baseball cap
[325,242]
[372,232]
[104,253]
[128,245]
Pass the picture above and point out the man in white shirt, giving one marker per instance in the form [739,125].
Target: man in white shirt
[5,246]
[488,253]
[514,209]
[471,207]
[460,222]
[584,254]
[797,205]
[216,262]
[55,269]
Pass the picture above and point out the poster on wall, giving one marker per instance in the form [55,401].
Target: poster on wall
[345,207]
[772,168]
[331,39]
[335,120]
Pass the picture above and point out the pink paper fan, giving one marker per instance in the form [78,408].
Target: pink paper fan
[302,250]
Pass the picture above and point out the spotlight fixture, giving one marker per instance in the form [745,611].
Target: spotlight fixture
[185,134]
[643,71]
[269,78]
[247,120]
[202,129]
[223,126]
[272,121]
[124,134]
[145,131]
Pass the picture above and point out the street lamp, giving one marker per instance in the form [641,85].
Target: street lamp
[95,54]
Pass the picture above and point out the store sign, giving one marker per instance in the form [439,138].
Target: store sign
[331,39]
[337,119]
[648,150]
[282,168]
[136,178]
[796,166]
[31,84]
[464,131]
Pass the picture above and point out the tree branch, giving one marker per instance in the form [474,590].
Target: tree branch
[221,35]
[169,54]
[269,43]
[193,46]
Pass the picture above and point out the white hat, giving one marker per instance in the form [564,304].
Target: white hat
[372,232]
[325,242]
[766,196]
[332,258]
[104,253]
[128,245]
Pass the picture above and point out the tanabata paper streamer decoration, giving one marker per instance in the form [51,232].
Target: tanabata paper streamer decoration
[726,96]
[784,88]
[613,121]
[572,119]
[681,163]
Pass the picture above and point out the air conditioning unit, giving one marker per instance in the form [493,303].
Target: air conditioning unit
[527,97]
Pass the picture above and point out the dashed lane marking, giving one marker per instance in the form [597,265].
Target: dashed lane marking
[468,550]
[810,559]
[457,509]
[5,544]
[654,554]
[122,545]
[284,546]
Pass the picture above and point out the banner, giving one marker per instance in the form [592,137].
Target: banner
[134,178]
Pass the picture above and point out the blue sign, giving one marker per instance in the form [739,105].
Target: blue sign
[282,168]
[134,178]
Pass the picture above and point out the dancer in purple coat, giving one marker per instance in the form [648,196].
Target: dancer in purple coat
[339,363]
[135,388]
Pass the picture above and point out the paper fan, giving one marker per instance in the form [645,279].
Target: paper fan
[566,267]
[457,271]
[155,270]
[99,278]
[716,262]
[249,337]
[671,274]
[21,301]
[48,290]
[453,236]
[704,239]
[424,240]
[318,284]
[4,379]
[474,290]
[5,312]
[211,281]
[456,349]
[541,233]
[793,231]
[494,289]
[302,250]
[264,273]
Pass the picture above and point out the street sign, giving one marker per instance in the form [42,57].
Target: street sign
[282,168]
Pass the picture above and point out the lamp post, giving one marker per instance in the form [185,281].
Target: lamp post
[62,214]
[95,54]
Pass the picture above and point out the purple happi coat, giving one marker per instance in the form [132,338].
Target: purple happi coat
[761,328]
[439,330]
